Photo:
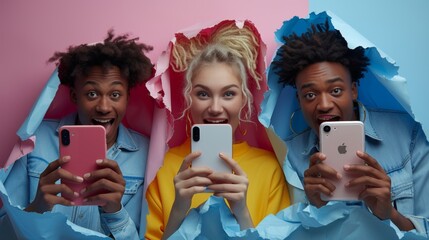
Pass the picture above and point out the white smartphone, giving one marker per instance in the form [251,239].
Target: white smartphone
[84,144]
[339,141]
[210,140]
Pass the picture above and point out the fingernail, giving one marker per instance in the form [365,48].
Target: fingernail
[346,167]
[85,200]
[82,191]
[66,158]
[220,154]
[339,176]
[79,179]
[76,194]
[98,161]
[86,175]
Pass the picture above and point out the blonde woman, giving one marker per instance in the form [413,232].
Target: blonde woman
[216,89]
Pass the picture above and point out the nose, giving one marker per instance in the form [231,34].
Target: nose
[215,107]
[325,103]
[103,105]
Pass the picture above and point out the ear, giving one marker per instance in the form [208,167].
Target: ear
[354,91]
[73,96]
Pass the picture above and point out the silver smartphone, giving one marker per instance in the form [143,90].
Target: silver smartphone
[210,140]
[339,141]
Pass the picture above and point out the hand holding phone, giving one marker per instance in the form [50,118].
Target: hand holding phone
[340,141]
[84,144]
[210,140]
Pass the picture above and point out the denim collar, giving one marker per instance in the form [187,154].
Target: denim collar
[364,116]
[124,140]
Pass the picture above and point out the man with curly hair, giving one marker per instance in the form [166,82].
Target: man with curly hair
[325,73]
[99,77]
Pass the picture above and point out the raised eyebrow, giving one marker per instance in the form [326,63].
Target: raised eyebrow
[333,80]
[200,86]
[223,89]
[230,86]
[90,82]
[306,85]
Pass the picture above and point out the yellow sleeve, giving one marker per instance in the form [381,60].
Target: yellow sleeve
[267,192]
[155,224]
[161,193]
[279,194]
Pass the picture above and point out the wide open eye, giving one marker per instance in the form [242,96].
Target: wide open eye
[202,94]
[336,91]
[116,95]
[309,96]
[92,94]
[229,94]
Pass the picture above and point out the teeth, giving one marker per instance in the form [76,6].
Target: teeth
[216,121]
[326,118]
[102,120]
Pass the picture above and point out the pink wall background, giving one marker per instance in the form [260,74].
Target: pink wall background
[31,31]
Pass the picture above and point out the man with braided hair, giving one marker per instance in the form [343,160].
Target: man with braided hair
[99,77]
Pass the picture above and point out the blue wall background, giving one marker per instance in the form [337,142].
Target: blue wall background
[398,28]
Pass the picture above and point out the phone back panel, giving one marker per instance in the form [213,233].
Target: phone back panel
[87,143]
[213,139]
[340,145]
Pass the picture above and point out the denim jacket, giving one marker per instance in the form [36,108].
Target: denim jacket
[400,146]
[129,151]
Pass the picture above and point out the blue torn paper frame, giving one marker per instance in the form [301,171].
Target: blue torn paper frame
[212,220]
[41,106]
[381,87]
[336,220]
[29,225]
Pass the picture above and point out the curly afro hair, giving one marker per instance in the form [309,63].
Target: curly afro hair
[318,44]
[119,51]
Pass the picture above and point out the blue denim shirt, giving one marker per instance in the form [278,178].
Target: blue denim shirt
[400,146]
[129,151]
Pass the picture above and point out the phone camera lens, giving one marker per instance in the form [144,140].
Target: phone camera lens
[65,137]
[326,128]
[196,134]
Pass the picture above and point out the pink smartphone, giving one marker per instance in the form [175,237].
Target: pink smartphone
[84,144]
[339,141]
[210,140]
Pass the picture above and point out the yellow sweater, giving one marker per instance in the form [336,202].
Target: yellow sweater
[267,192]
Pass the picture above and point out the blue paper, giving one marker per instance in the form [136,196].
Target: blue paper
[381,86]
[212,220]
[336,220]
[40,108]
[29,225]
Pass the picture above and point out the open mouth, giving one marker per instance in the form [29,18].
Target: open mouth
[103,122]
[217,121]
[322,119]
